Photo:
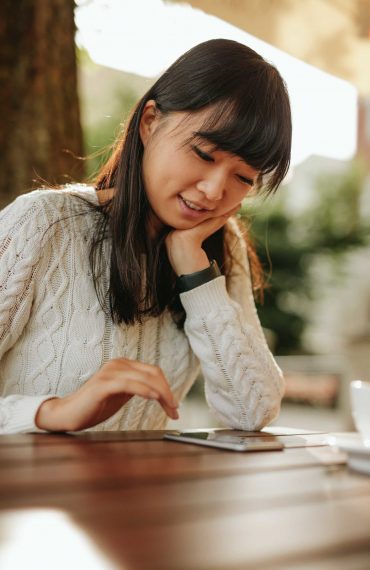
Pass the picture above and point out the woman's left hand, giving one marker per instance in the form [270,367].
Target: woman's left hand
[184,247]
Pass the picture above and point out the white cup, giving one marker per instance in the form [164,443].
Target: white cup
[360,405]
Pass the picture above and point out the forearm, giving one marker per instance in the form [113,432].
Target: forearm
[243,383]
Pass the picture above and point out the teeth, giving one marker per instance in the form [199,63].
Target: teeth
[191,205]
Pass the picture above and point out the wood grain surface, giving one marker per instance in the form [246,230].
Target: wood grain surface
[143,503]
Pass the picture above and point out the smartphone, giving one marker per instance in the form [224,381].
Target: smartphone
[225,439]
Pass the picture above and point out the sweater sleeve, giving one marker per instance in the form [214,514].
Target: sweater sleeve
[243,384]
[22,226]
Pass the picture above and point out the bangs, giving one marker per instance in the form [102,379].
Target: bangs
[260,134]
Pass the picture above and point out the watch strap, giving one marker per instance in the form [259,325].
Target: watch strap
[191,280]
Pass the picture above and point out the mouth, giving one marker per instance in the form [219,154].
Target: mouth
[190,208]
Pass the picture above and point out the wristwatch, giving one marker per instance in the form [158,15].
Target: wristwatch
[192,280]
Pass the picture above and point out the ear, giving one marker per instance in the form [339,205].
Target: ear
[148,121]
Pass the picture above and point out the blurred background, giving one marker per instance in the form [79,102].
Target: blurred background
[70,74]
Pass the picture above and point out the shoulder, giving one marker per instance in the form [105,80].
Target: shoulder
[53,198]
[39,209]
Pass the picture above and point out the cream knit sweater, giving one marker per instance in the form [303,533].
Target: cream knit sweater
[54,334]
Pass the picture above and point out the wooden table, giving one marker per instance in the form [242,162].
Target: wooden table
[131,501]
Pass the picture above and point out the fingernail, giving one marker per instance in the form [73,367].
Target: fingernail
[154,395]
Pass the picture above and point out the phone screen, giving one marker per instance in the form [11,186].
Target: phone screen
[226,440]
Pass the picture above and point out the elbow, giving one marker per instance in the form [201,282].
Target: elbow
[257,419]
[241,416]
[264,416]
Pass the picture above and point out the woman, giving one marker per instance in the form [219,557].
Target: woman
[113,294]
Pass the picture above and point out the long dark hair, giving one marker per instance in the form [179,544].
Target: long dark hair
[250,118]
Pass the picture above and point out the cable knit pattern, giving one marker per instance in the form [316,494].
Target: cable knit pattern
[243,383]
[54,334]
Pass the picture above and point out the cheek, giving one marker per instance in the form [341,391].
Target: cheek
[152,172]
[171,176]
[241,191]
[234,196]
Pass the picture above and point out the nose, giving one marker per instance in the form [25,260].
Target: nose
[212,185]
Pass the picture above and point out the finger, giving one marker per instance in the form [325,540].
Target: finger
[159,380]
[159,383]
[220,221]
[171,412]
[210,226]
[132,386]
[150,375]
[135,389]
[119,386]
[232,211]
[156,377]
[205,229]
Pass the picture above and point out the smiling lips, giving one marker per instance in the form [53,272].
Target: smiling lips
[191,210]
[194,205]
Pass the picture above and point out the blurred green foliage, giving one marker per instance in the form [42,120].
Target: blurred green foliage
[99,138]
[107,97]
[288,244]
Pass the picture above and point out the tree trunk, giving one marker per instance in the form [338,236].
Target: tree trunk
[40,129]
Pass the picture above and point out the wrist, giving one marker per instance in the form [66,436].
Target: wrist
[189,262]
[45,415]
[196,279]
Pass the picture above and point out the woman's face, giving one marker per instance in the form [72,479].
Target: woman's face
[187,182]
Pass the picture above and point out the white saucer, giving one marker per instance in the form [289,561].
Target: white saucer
[354,445]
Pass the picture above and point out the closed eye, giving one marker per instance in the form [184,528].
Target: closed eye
[201,154]
[246,181]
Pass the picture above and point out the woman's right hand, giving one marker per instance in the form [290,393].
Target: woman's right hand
[104,394]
